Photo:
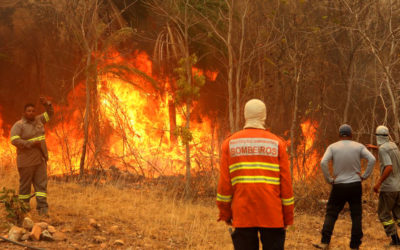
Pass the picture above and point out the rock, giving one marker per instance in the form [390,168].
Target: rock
[113,229]
[36,232]
[25,236]
[51,229]
[28,223]
[16,233]
[119,243]
[93,223]
[59,236]
[46,236]
[67,230]
[99,239]
[43,225]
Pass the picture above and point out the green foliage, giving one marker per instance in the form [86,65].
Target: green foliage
[184,133]
[188,91]
[16,209]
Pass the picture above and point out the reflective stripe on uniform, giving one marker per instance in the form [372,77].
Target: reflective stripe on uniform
[255,179]
[39,138]
[40,194]
[46,116]
[254,165]
[288,202]
[224,198]
[14,137]
[387,223]
[24,196]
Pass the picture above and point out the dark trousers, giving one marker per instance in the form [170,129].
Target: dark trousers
[340,194]
[36,175]
[389,211]
[247,238]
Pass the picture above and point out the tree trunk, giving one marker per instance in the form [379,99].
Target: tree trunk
[188,64]
[188,191]
[172,120]
[348,96]
[298,70]
[394,109]
[293,128]
[95,112]
[86,118]
[230,69]
[239,70]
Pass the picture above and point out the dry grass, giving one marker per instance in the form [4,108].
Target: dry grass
[150,217]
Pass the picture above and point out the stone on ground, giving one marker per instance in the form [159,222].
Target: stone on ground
[36,232]
[25,237]
[113,229]
[43,225]
[93,223]
[46,236]
[16,233]
[51,229]
[28,223]
[119,243]
[99,239]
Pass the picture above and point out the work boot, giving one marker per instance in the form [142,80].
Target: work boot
[395,241]
[321,246]
[43,212]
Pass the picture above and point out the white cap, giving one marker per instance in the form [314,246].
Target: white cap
[382,131]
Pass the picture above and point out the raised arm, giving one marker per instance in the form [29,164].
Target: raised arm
[48,114]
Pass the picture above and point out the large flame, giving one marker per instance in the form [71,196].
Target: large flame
[307,158]
[134,127]
[6,151]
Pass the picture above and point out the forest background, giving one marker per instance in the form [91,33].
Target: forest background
[316,65]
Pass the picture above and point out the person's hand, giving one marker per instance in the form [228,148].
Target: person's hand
[43,101]
[377,187]
[229,222]
[359,174]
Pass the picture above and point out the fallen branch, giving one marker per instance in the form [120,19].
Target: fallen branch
[20,244]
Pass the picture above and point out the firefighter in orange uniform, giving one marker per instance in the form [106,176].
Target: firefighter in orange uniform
[255,191]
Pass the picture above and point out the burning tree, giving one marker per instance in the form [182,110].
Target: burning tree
[188,84]
[94,33]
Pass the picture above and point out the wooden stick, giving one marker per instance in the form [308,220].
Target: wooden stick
[20,244]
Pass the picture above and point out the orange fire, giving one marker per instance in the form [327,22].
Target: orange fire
[134,125]
[6,151]
[307,160]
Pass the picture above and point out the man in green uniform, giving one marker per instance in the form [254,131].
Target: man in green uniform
[388,184]
[28,136]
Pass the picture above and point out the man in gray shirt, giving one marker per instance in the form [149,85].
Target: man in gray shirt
[346,184]
[388,184]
